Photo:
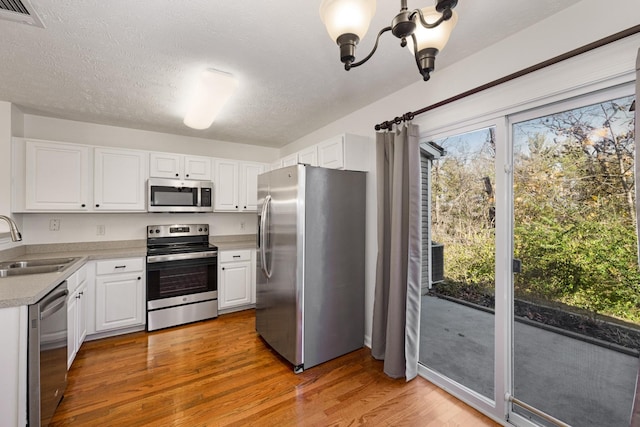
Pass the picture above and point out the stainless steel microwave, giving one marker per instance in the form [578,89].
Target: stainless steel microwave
[174,195]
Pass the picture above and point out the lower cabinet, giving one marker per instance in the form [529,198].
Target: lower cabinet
[236,279]
[76,313]
[120,294]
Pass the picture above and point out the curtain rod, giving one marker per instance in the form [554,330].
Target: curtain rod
[575,52]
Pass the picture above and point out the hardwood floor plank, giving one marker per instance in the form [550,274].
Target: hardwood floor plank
[221,373]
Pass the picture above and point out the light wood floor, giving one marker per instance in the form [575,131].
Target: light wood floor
[220,373]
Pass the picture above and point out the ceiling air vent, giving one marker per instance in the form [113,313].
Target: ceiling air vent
[19,11]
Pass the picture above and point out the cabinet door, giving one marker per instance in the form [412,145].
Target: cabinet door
[331,153]
[290,160]
[81,315]
[165,165]
[72,334]
[309,156]
[249,185]
[235,284]
[119,301]
[119,180]
[276,165]
[198,168]
[225,192]
[57,176]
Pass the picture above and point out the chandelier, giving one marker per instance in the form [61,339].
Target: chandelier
[427,29]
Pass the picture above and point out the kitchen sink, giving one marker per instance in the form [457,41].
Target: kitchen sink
[36,263]
[34,266]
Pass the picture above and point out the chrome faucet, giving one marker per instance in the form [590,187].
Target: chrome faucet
[13,229]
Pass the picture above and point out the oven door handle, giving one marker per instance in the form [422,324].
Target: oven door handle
[179,257]
[262,244]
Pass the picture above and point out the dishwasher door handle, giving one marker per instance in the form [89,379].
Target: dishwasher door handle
[54,303]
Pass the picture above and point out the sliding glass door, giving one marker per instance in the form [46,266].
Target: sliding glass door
[576,285]
[458,322]
[531,308]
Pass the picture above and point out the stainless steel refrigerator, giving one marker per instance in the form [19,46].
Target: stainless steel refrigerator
[310,266]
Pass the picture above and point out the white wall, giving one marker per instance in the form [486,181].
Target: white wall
[82,227]
[576,26]
[7,122]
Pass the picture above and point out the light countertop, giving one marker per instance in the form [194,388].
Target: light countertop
[238,241]
[17,291]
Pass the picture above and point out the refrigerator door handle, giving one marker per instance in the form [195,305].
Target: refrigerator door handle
[261,238]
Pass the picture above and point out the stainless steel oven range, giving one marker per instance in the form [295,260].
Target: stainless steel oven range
[182,269]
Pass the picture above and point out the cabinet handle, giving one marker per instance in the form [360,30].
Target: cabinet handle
[139,278]
[81,293]
[245,207]
[236,207]
[236,256]
[83,205]
[187,175]
[120,266]
[177,174]
[97,205]
[223,268]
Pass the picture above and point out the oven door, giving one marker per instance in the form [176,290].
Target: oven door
[181,281]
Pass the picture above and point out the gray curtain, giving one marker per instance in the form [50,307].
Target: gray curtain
[396,313]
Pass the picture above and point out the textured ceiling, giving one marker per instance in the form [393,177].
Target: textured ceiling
[133,63]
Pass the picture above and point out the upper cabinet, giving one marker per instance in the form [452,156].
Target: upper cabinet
[344,151]
[119,180]
[56,176]
[236,185]
[309,156]
[290,160]
[179,166]
[77,178]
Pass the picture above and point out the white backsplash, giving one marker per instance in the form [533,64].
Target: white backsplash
[79,227]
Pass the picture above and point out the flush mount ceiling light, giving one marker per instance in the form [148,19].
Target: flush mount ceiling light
[213,91]
[347,22]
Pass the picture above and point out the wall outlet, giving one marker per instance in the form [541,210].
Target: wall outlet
[100,230]
[54,225]
[242,224]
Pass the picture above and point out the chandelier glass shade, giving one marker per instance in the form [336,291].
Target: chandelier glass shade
[425,30]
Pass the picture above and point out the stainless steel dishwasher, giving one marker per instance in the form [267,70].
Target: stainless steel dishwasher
[47,360]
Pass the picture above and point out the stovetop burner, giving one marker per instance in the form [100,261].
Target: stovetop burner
[178,238]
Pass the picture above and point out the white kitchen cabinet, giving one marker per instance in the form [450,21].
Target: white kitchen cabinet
[119,294]
[56,176]
[309,156]
[275,165]
[179,166]
[236,185]
[249,185]
[345,152]
[290,160]
[226,188]
[236,287]
[119,180]
[76,313]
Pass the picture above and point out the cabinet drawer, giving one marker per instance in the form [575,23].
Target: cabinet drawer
[124,265]
[231,256]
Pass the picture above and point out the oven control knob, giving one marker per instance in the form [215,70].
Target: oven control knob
[206,229]
[200,229]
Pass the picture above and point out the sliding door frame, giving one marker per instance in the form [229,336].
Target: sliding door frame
[494,408]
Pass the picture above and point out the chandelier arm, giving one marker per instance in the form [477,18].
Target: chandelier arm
[375,47]
[445,17]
